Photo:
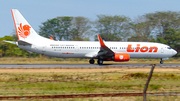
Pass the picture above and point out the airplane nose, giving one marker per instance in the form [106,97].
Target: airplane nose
[174,52]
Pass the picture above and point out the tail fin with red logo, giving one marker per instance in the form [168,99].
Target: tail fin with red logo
[23,29]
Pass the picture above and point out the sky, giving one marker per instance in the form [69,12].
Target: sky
[38,11]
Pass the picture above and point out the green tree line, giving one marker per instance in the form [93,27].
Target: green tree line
[11,50]
[161,27]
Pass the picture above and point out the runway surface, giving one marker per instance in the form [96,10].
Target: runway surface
[83,65]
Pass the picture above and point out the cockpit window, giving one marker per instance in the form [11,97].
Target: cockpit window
[168,47]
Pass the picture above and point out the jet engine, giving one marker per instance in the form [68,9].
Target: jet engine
[120,57]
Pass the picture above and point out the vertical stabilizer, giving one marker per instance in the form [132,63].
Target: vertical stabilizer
[23,29]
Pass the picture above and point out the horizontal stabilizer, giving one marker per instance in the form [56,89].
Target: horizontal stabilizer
[10,42]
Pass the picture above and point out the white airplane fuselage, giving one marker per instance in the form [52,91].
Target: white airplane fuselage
[88,49]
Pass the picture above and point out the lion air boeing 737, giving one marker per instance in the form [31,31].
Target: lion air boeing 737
[29,40]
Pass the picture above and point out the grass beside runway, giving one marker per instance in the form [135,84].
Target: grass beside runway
[81,81]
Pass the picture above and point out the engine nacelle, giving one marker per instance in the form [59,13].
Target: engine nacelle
[120,57]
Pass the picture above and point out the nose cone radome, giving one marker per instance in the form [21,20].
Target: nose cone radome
[174,52]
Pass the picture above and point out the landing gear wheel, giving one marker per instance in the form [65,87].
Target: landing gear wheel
[161,62]
[100,62]
[91,61]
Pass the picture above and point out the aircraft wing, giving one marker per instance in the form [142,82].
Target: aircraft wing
[91,54]
[104,52]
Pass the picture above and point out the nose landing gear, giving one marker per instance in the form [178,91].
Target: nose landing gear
[161,62]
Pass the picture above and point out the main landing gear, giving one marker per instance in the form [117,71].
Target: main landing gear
[161,62]
[91,61]
[100,62]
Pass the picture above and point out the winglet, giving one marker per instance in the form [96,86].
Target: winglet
[51,38]
[101,42]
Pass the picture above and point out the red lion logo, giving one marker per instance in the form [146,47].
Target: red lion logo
[24,31]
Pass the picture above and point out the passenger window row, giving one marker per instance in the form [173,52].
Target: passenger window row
[64,47]
[99,48]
